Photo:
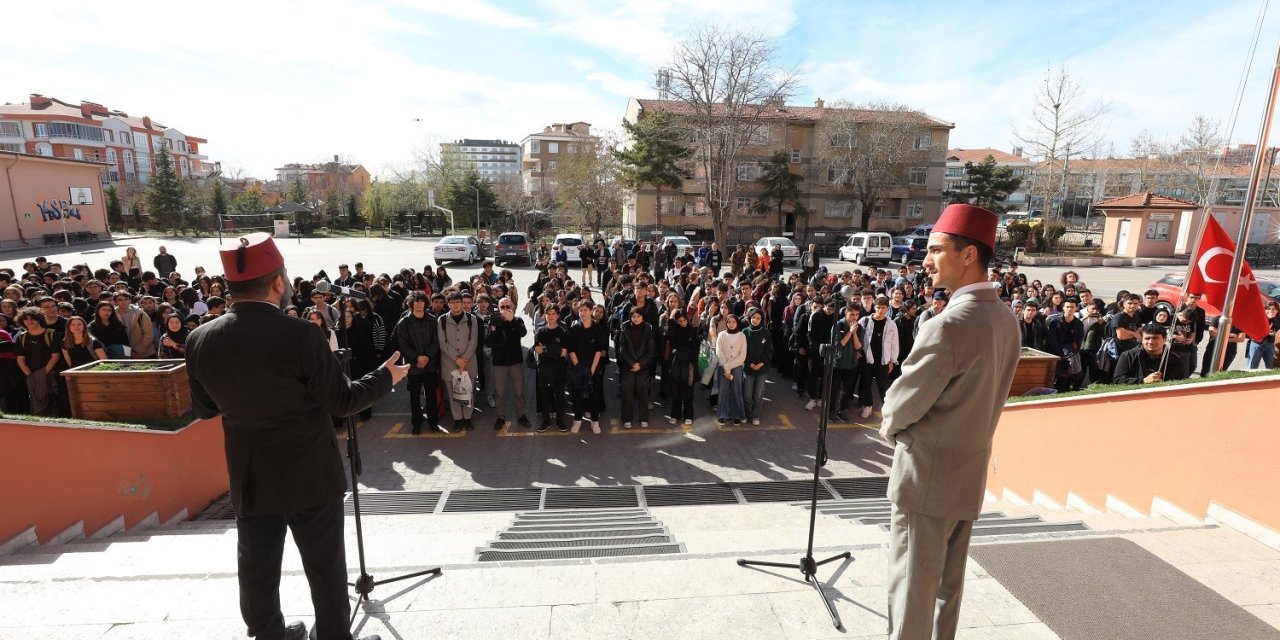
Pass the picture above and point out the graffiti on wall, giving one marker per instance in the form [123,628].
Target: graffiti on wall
[57,210]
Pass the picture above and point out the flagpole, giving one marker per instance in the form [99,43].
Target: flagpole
[1251,196]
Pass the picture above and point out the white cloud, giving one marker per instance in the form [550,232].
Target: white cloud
[472,10]
[619,86]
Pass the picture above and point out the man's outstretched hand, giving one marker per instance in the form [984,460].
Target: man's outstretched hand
[398,371]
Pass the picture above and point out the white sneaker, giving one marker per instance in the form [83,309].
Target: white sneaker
[626,425]
[577,425]
[866,412]
[688,422]
[809,406]
[644,424]
[755,421]
[595,427]
[672,421]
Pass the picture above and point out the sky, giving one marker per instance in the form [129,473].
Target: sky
[378,82]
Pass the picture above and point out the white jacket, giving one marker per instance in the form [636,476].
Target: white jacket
[889,342]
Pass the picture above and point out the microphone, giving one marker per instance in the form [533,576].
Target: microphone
[324,287]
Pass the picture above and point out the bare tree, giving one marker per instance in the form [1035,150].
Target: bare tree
[587,185]
[1063,123]
[530,212]
[1198,150]
[869,151]
[727,83]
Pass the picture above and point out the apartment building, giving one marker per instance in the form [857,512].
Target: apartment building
[542,152]
[832,212]
[957,181]
[494,159]
[320,177]
[124,145]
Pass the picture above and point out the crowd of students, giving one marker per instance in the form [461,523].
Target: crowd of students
[658,325]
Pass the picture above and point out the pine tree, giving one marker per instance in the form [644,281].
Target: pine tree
[115,212]
[353,211]
[462,199]
[218,204]
[656,157]
[297,191]
[990,185]
[781,187]
[166,195]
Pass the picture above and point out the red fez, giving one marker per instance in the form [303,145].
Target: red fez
[254,256]
[968,221]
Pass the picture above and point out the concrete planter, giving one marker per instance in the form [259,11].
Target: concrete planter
[1035,369]
[128,389]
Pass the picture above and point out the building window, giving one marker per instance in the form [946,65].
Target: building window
[535,146]
[12,129]
[670,206]
[835,175]
[44,149]
[918,175]
[553,147]
[915,209]
[74,131]
[746,207]
[126,137]
[838,209]
[78,153]
[955,172]
[571,148]
[186,167]
[552,165]
[1157,230]
[42,130]
[747,171]
[924,141]
[759,137]
[699,206]
[111,156]
[13,147]
[795,156]
[841,139]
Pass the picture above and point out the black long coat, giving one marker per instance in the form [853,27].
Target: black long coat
[277,386]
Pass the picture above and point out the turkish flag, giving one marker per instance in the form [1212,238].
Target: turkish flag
[1208,277]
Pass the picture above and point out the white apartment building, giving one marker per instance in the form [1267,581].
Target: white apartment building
[494,159]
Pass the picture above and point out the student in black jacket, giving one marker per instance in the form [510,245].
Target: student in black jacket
[415,334]
[505,332]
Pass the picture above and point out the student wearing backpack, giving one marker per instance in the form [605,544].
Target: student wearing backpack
[39,350]
[459,333]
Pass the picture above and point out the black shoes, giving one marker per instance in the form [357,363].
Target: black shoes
[417,428]
[499,424]
[459,426]
[470,426]
[840,416]
[295,631]
[545,424]
[523,421]
[561,425]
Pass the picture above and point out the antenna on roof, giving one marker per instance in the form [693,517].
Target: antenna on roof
[662,81]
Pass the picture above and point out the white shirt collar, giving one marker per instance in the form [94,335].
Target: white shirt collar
[977,286]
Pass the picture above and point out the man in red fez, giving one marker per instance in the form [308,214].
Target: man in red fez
[276,385]
[940,417]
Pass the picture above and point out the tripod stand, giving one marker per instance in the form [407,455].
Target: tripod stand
[365,583]
[807,566]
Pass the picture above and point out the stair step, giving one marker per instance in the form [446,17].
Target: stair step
[500,555]
[573,543]
[982,517]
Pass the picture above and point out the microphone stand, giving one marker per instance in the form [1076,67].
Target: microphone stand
[807,566]
[365,583]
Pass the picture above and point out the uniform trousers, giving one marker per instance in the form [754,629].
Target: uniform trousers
[317,532]
[459,410]
[635,395]
[417,384]
[873,374]
[926,575]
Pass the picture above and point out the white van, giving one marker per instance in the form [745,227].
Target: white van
[868,246]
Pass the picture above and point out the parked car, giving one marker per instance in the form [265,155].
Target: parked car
[513,246]
[1170,288]
[628,245]
[868,247]
[457,249]
[910,248]
[572,243]
[922,230]
[790,253]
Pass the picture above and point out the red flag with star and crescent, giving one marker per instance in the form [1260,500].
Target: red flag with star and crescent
[1208,277]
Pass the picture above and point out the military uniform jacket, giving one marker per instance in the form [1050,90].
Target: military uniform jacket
[941,414]
[276,384]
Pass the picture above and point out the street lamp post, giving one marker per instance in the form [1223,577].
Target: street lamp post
[477,207]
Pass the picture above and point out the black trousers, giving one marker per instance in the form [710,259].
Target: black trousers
[844,388]
[877,374]
[816,371]
[318,534]
[428,383]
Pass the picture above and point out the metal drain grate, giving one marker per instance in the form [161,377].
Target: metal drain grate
[492,500]
[591,497]
[873,487]
[781,491]
[672,495]
[492,555]
[585,542]
[542,535]
[578,513]
[394,502]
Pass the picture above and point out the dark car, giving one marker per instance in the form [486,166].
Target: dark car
[909,248]
[513,246]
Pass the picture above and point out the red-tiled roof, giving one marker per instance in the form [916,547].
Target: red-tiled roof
[978,155]
[787,112]
[1145,200]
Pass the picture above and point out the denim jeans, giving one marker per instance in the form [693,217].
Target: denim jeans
[730,406]
[753,394]
[1262,353]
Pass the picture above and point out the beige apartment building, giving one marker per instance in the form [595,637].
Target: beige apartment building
[541,153]
[832,212]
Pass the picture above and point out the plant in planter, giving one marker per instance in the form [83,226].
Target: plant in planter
[1035,369]
[128,389]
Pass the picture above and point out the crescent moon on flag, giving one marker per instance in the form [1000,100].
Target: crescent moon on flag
[1204,262]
